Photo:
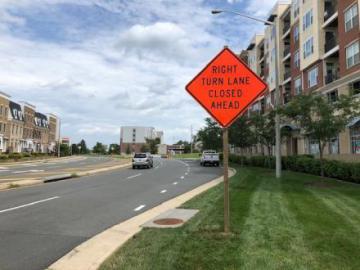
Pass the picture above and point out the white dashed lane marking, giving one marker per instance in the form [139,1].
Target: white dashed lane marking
[139,207]
[182,177]
[133,176]
[175,183]
[163,191]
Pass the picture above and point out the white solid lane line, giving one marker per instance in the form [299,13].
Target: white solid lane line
[139,207]
[133,176]
[163,191]
[28,204]
[175,183]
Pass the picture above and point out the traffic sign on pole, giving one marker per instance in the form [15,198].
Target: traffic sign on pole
[225,88]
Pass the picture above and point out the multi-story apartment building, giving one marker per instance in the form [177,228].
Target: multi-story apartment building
[133,138]
[53,132]
[318,51]
[16,127]
[22,129]
[4,110]
[29,125]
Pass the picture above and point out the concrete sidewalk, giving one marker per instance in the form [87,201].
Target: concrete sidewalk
[92,253]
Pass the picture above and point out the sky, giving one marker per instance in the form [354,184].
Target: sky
[103,64]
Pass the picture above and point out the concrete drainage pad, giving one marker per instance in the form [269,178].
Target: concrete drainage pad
[172,218]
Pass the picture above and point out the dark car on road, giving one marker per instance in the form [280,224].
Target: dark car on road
[142,160]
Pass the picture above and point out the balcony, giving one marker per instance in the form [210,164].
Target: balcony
[331,77]
[287,75]
[286,51]
[330,9]
[286,27]
[330,43]
[286,97]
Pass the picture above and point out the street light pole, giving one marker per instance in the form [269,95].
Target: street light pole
[277,85]
[59,139]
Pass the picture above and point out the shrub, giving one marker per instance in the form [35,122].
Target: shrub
[27,155]
[306,164]
[15,156]
[4,157]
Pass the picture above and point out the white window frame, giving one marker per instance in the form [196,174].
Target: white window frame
[297,59]
[313,77]
[308,19]
[298,88]
[355,54]
[308,47]
[296,33]
[351,17]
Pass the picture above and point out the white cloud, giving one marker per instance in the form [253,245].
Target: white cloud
[133,74]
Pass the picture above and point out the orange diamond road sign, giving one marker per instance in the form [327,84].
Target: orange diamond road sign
[226,87]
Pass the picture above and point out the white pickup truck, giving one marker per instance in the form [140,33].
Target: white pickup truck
[210,157]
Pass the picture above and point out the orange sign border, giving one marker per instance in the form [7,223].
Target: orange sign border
[246,107]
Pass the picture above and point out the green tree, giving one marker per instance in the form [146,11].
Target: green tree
[320,119]
[64,150]
[210,135]
[99,148]
[263,126]
[145,148]
[114,148]
[128,150]
[83,148]
[240,133]
[75,149]
[152,144]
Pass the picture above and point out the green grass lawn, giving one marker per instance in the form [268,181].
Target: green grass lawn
[189,155]
[299,222]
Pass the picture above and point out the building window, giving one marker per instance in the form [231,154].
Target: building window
[352,55]
[296,8]
[313,77]
[296,33]
[298,86]
[332,96]
[313,147]
[355,139]
[308,47]
[351,17]
[307,19]
[334,146]
[297,59]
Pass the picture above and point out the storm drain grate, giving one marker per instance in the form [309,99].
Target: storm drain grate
[168,221]
[171,219]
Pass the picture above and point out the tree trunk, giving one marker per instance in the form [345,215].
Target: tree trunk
[321,149]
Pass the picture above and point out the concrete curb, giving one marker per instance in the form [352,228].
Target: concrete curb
[17,163]
[92,253]
[54,178]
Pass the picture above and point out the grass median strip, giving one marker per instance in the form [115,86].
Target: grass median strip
[298,222]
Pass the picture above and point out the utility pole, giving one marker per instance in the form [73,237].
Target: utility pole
[59,139]
[277,86]
[191,139]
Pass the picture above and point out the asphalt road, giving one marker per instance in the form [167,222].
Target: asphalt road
[48,167]
[40,224]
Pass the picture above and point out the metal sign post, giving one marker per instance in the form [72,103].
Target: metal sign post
[226,180]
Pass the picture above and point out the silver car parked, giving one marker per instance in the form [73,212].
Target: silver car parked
[142,160]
